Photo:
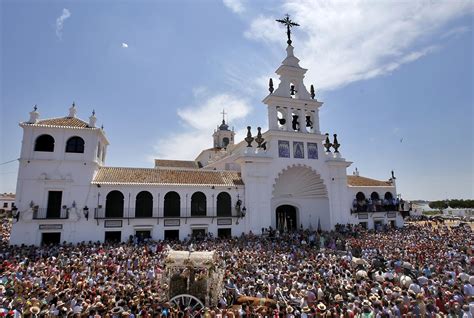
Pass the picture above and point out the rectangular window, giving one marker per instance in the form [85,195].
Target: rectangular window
[283,148]
[98,150]
[5,204]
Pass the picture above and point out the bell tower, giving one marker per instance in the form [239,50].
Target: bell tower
[223,136]
[291,107]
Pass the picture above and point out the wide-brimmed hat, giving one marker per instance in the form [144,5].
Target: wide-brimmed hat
[289,309]
[35,310]
[305,309]
[117,310]
[338,298]
[373,298]
[366,303]
[321,307]
[260,282]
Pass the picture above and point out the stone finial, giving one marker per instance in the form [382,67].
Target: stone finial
[34,115]
[335,144]
[270,86]
[356,172]
[92,119]
[259,139]
[72,110]
[393,175]
[327,144]
[249,139]
[313,94]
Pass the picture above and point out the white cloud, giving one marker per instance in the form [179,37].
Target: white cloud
[455,32]
[235,5]
[343,42]
[199,122]
[124,45]
[60,22]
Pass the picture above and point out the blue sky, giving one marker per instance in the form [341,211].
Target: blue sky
[396,78]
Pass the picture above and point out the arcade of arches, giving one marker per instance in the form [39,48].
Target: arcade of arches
[115,200]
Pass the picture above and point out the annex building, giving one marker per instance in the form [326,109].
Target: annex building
[289,177]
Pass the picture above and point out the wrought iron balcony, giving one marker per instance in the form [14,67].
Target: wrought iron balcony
[155,213]
[50,214]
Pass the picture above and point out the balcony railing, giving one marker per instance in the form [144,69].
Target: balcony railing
[100,213]
[50,214]
[364,206]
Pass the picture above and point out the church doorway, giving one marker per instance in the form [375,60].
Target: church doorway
[50,238]
[286,218]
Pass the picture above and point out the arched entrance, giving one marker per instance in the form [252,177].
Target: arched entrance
[286,218]
[299,192]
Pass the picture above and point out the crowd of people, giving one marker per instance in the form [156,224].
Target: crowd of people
[423,270]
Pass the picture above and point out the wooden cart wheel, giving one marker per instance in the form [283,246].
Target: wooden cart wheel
[186,301]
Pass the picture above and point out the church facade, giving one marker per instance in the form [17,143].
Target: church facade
[289,177]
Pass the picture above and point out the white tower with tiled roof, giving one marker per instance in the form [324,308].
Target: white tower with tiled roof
[59,157]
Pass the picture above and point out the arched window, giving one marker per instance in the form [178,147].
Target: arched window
[374,196]
[114,204]
[198,204]
[44,143]
[75,144]
[360,196]
[224,205]
[172,205]
[225,142]
[388,196]
[144,205]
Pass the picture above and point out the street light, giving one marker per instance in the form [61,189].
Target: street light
[16,213]
[85,210]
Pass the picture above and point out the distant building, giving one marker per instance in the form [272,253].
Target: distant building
[7,202]
[459,212]
[289,177]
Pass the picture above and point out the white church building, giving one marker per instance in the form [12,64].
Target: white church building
[289,177]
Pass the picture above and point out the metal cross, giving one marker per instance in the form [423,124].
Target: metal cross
[289,24]
[223,114]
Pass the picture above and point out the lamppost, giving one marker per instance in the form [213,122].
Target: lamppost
[85,210]
[16,213]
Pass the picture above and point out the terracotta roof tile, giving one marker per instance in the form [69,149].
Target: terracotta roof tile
[358,181]
[69,122]
[153,176]
[162,163]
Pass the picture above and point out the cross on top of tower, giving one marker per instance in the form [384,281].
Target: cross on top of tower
[223,115]
[289,24]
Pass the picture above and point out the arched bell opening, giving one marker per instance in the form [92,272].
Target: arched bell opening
[295,121]
[309,121]
[281,118]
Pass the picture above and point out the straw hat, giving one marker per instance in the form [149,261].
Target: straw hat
[305,309]
[35,310]
[366,303]
[289,309]
[338,298]
[321,307]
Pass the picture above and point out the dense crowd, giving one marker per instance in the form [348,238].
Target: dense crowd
[423,270]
